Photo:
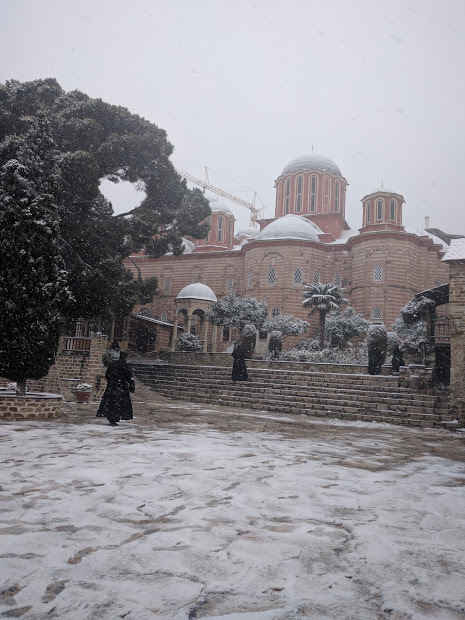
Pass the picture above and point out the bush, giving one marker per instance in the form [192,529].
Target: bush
[377,347]
[412,336]
[352,355]
[249,338]
[190,343]
[344,325]
[275,344]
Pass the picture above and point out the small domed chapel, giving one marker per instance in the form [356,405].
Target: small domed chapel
[381,265]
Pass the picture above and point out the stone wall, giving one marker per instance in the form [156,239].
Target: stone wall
[32,406]
[225,359]
[457,341]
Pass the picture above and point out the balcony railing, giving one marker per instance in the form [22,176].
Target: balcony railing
[78,344]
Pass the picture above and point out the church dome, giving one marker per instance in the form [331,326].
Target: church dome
[197,290]
[311,162]
[290,227]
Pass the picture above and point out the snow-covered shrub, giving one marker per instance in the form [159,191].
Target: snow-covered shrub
[236,312]
[392,342]
[83,387]
[329,355]
[249,338]
[377,348]
[412,336]
[190,343]
[286,324]
[309,344]
[344,325]
[275,344]
[414,310]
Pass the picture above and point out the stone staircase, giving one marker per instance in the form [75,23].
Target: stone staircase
[319,394]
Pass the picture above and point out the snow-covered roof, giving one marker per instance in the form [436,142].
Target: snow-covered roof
[290,227]
[247,232]
[345,236]
[220,207]
[456,250]
[197,290]
[421,232]
[312,162]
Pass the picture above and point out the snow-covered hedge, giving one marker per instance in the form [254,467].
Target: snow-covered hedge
[190,343]
[329,355]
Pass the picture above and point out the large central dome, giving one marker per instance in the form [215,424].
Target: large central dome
[311,162]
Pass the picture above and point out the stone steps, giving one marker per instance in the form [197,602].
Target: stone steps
[354,397]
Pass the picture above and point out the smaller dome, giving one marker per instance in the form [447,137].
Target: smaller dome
[382,190]
[290,227]
[197,290]
[247,232]
[311,162]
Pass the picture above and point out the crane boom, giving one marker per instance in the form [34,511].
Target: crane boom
[255,213]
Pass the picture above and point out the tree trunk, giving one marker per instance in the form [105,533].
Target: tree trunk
[22,387]
[322,328]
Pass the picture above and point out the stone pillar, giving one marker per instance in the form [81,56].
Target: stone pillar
[214,338]
[457,338]
[205,334]
[175,332]
[189,322]
[95,371]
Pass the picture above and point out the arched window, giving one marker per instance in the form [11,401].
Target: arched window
[229,232]
[275,312]
[337,279]
[167,286]
[379,210]
[378,273]
[368,209]
[207,237]
[250,279]
[230,285]
[336,197]
[326,193]
[313,194]
[220,229]
[286,197]
[377,313]
[163,316]
[298,276]
[316,277]
[197,278]
[298,198]
[393,210]
[272,276]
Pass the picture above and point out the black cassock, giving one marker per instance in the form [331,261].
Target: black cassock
[116,402]
[239,369]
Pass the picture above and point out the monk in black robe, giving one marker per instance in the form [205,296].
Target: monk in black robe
[116,401]
[239,369]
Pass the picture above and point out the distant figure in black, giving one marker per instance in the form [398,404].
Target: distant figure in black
[115,346]
[116,402]
[239,369]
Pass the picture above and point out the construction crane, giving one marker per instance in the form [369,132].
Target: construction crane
[256,213]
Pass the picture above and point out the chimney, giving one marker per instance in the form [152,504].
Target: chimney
[426,222]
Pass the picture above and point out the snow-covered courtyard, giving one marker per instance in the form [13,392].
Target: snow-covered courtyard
[188,512]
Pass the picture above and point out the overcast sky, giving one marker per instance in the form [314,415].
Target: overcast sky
[245,86]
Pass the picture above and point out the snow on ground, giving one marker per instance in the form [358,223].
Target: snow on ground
[189,521]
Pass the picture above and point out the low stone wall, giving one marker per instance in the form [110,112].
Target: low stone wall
[32,406]
[225,359]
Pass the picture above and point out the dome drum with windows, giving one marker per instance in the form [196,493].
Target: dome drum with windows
[310,184]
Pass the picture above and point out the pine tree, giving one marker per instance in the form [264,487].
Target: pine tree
[33,287]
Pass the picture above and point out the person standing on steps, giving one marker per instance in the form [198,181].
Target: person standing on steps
[239,369]
[116,400]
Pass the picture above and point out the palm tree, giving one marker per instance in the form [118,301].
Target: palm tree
[325,298]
